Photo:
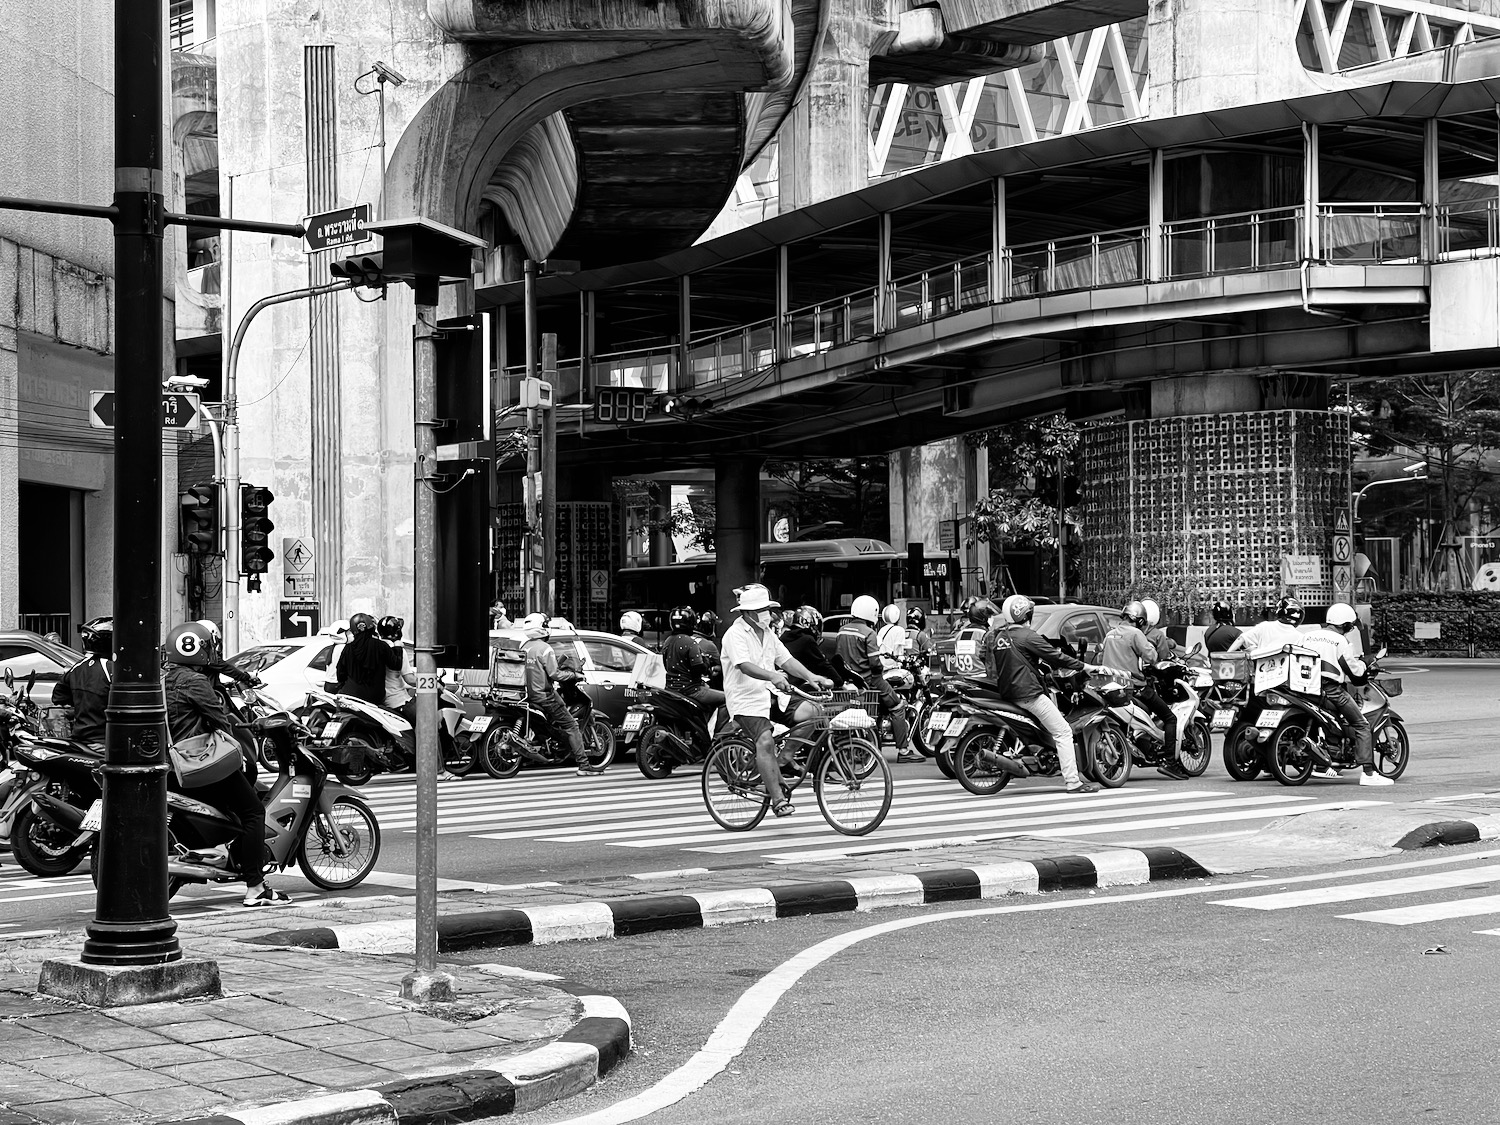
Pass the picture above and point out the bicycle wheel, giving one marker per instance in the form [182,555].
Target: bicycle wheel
[732,791]
[853,786]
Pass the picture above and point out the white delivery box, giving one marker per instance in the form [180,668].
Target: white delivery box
[1294,669]
[649,671]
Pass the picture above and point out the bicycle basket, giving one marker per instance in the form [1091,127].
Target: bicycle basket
[852,709]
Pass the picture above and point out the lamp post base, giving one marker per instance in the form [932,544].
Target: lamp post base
[120,986]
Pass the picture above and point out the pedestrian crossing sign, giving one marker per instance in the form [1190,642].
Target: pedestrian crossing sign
[1341,523]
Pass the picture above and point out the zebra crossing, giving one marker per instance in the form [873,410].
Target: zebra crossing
[1405,894]
[624,810]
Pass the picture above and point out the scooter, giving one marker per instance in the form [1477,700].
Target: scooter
[1178,685]
[362,739]
[671,729]
[45,837]
[520,732]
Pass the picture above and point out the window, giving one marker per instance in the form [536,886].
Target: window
[261,657]
[609,656]
[1083,627]
[23,660]
[319,663]
[567,654]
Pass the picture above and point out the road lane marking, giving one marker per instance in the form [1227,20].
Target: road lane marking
[1430,912]
[1381,888]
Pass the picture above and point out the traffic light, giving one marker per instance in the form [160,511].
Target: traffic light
[199,508]
[365,270]
[255,532]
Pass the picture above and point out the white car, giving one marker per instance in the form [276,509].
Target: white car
[290,668]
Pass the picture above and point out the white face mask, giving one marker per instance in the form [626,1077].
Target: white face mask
[761,617]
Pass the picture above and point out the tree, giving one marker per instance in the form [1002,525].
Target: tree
[1453,423]
[850,491]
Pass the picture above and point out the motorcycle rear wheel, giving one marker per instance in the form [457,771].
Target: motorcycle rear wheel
[41,847]
[601,747]
[1392,764]
[1112,758]
[366,769]
[1196,748]
[1241,753]
[651,754]
[945,763]
[499,755]
[1289,759]
[351,822]
[973,773]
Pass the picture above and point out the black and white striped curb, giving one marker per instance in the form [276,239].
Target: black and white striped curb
[611,918]
[487,1088]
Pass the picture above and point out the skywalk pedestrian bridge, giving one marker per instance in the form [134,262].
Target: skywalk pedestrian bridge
[1159,267]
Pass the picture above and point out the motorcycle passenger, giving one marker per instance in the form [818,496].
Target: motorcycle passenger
[919,640]
[1126,649]
[83,690]
[802,638]
[631,624]
[542,677]
[194,708]
[706,632]
[1012,650]
[754,657]
[1222,633]
[365,660]
[1331,643]
[858,647]
[398,696]
[687,661]
[1166,648]
[891,637]
[1281,630]
[976,624]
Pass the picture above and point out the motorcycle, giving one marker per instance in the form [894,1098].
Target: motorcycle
[1231,708]
[1296,732]
[362,739]
[520,732]
[1178,685]
[672,729]
[45,836]
[993,740]
[21,723]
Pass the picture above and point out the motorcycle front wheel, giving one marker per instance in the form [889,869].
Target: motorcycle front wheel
[1196,748]
[341,846]
[975,774]
[599,743]
[652,756]
[1241,753]
[41,847]
[1391,756]
[500,755]
[1289,759]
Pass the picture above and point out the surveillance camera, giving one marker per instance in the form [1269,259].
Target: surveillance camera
[389,74]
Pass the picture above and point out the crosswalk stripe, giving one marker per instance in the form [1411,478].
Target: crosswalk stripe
[1431,912]
[1380,888]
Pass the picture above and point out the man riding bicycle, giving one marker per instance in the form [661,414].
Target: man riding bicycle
[753,659]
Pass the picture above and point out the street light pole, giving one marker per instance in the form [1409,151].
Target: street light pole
[529,491]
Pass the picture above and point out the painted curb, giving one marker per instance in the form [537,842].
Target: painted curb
[577,1059]
[613,918]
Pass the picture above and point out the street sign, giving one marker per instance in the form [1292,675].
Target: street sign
[598,585]
[299,619]
[297,555]
[1341,549]
[344,227]
[1301,570]
[178,411]
[947,535]
[1342,579]
[299,585]
[1341,523]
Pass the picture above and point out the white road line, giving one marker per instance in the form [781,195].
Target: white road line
[1380,888]
[408,882]
[1431,912]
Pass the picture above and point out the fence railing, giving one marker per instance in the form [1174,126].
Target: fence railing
[941,291]
[816,328]
[1371,232]
[732,353]
[1247,240]
[1469,228]
[1086,261]
[44,623]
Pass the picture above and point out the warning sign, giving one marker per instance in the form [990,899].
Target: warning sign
[1341,523]
[1342,579]
[1341,551]
[598,585]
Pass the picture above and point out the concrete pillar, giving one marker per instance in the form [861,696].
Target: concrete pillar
[10,508]
[736,528]
[661,513]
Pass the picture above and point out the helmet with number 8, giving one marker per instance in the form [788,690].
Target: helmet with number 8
[1341,616]
[193,645]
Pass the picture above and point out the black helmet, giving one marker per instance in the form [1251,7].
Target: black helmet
[389,628]
[708,622]
[1223,612]
[98,636]
[683,619]
[980,610]
[361,623]
[1289,611]
[808,619]
[916,618]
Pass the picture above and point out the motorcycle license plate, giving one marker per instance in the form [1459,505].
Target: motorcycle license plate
[93,820]
[956,725]
[634,720]
[938,721]
[1269,719]
[1223,718]
[332,727]
[479,725]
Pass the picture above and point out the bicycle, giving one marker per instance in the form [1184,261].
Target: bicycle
[850,777]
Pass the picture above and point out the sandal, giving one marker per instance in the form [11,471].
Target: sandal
[783,808]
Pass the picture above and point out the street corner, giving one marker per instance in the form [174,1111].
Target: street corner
[1360,831]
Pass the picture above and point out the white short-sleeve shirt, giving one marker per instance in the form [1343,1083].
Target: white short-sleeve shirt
[745,695]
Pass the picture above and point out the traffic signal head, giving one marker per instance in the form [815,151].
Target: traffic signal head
[199,525]
[365,270]
[255,529]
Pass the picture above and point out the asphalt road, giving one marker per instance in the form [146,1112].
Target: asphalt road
[1138,1005]
[548,825]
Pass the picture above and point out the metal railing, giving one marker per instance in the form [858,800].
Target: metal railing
[732,353]
[1234,243]
[1469,228]
[44,623]
[1370,232]
[941,291]
[1085,261]
[650,369]
[816,328]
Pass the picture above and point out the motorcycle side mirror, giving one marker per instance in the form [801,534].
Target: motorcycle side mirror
[1198,649]
[10,679]
[30,681]
[1378,656]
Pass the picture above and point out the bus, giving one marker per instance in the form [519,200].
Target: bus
[826,573]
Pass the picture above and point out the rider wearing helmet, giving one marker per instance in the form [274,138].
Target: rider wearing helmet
[1125,649]
[687,660]
[707,636]
[398,695]
[803,639]
[1013,650]
[543,674]
[1339,663]
[1277,633]
[362,665]
[631,625]
[891,637]
[1166,648]
[84,688]
[1222,633]
[193,709]
[968,659]
[858,648]
[919,640]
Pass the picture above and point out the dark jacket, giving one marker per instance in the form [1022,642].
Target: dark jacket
[685,661]
[1220,636]
[362,666]
[85,688]
[1013,653]
[807,652]
[193,706]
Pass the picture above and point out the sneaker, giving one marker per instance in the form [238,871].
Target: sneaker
[1375,779]
[266,896]
[1173,771]
[910,756]
[1082,787]
[590,770]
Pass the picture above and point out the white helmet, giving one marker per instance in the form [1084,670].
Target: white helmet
[534,623]
[631,622]
[213,629]
[1153,612]
[1017,609]
[1341,616]
[891,614]
[867,608]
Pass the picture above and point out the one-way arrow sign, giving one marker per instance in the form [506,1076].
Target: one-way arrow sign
[178,411]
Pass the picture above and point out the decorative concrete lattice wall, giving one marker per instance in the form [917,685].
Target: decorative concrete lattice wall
[587,545]
[1186,510]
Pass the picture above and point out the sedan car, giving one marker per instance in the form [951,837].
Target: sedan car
[290,668]
[24,652]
